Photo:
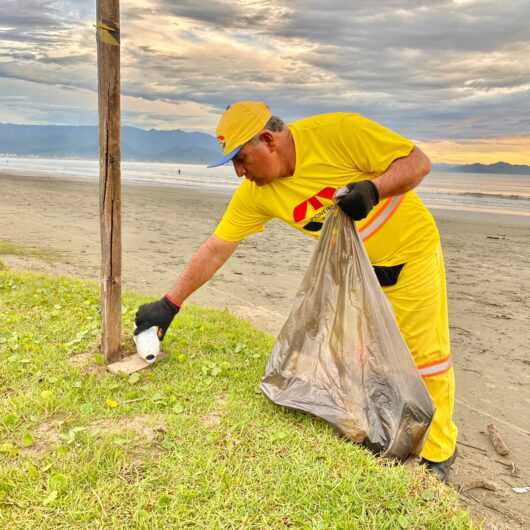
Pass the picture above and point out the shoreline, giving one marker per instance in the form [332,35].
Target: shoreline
[94,181]
[434,197]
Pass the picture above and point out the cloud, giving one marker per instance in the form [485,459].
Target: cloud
[28,102]
[437,69]
[31,22]
[247,15]
[406,63]
[42,42]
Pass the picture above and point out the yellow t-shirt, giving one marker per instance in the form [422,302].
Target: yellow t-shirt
[333,150]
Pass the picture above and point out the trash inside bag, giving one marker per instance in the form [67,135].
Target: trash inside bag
[340,355]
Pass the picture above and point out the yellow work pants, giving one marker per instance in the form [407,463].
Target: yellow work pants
[419,300]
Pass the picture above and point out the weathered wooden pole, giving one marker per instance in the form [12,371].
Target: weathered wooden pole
[108,43]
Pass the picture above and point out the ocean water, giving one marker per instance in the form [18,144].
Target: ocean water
[494,193]
[156,173]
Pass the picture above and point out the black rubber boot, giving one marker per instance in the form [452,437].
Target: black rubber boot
[439,469]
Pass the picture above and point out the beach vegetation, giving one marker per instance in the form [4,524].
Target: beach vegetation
[188,443]
[8,248]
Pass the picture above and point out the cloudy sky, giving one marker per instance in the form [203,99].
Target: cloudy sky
[453,75]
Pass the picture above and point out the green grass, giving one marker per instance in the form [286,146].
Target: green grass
[11,249]
[207,449]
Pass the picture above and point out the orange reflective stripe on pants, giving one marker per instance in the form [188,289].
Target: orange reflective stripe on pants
[435,368]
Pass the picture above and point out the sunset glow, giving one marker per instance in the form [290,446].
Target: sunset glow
[514,150]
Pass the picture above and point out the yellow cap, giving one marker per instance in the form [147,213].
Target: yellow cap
[239,123]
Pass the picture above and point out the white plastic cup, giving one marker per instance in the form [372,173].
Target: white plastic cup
[148,344]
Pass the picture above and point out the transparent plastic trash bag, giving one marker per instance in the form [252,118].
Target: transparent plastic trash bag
[340,355]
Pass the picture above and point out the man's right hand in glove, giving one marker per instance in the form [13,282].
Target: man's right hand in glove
[160,313]
[358,198]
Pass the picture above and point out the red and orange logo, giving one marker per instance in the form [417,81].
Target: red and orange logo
[300,211]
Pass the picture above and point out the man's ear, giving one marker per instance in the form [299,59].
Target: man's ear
[268,139]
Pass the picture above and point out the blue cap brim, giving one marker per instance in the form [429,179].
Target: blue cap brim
[227,158]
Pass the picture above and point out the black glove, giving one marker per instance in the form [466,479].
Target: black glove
[358,199]
[160,313]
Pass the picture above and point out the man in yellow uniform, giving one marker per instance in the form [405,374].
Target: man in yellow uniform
[292,173]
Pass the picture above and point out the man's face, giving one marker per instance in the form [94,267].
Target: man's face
[258,161]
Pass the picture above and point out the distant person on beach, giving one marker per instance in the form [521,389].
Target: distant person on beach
[292,173]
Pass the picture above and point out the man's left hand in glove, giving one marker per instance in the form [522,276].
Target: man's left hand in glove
[358,198]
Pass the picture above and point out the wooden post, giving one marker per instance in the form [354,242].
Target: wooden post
[108,44]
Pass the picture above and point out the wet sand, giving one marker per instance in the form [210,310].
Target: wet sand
[488,273]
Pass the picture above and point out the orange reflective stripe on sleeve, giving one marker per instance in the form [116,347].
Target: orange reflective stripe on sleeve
[384,213]
[435,368]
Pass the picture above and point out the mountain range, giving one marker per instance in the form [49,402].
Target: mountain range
[64,141]
[498,167]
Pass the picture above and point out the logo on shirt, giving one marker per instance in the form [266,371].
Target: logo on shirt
[300,212]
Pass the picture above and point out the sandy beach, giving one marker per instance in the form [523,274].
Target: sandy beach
[488,272]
